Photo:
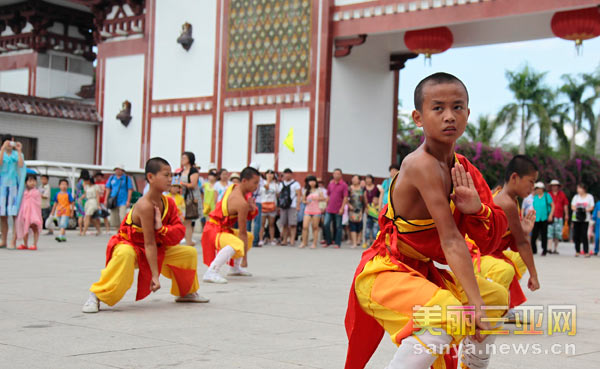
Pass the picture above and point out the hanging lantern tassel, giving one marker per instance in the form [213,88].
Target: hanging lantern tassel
[429,41]
[577,25]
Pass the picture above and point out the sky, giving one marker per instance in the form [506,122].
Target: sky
[483,68]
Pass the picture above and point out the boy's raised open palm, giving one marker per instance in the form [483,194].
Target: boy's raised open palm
[528,222]
[465,196]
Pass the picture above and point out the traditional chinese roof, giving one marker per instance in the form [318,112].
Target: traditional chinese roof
[51,108]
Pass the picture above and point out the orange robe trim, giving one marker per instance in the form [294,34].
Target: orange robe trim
[485,228]
[169,234]
[220,221]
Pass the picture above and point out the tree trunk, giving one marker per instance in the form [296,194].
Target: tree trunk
[597,146]
[572,145]
[522,143]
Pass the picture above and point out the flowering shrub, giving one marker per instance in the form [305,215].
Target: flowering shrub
[492,162]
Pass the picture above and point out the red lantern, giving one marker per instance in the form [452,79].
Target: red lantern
[429,41]
[577,25]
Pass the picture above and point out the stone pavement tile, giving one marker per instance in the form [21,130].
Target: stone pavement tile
[69,340]
[183,356]
[30,357]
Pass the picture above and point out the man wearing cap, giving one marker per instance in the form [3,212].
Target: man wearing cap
[561,209]
[119,189]
[544,209]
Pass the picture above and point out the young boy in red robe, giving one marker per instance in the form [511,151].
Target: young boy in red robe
[148,237]
[434,201]
[514,253]
[220,241]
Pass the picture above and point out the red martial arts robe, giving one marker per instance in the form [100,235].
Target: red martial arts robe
[485,228]
[170,234]
[220,221]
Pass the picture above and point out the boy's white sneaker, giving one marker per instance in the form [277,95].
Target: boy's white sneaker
[239,272]
[213,277]
[192,297]
[92,305]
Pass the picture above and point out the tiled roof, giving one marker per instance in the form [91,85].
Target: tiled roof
[53,108]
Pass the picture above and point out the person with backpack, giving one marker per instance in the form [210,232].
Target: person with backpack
[287,201]
[582,205]
[119,188]
[544,212]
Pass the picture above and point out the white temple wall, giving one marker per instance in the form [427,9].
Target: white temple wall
[165,139]
[361,111]
[299,120]
[235,140]
[123,80]
[15,81]
[179,73]
[198,138]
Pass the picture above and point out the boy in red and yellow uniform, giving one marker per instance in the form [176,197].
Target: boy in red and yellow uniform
[434,201]
[149,238]
[220,241]
[508,263]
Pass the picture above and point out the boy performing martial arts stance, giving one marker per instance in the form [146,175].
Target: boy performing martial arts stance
[148,237]
[220,238]
[437,197]
[508,263]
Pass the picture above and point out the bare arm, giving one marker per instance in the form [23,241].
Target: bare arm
[147,215]
[243,209]
[20,162]
[428,181]
[107,189]
[519,231]
[298,196]
[193,181]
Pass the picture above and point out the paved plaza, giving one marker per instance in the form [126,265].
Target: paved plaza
[289,315]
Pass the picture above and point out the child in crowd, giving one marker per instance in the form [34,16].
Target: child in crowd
[372,222]
[175,194]
[30,215]
[45,190]
[210,194]
[91,194]
[63,208]
[102,212]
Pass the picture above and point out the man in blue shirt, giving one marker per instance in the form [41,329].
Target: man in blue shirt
[119,189]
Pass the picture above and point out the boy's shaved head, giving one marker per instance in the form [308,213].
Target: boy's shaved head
[249,173]
[520,164]
[436,78]
[154,165]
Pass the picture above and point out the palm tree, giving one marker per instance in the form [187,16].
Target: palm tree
[529,91]
[574,89]
[484,131]
[593,81]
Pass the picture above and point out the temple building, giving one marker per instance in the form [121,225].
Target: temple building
[120,81]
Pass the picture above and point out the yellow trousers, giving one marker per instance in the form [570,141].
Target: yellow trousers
[117,277]
[500,271]
[233,240]
[391,295]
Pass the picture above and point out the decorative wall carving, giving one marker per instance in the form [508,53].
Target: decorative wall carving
[269,43]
